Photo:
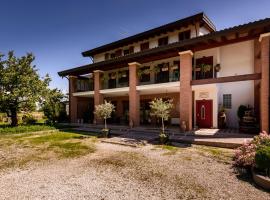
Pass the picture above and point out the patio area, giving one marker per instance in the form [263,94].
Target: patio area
[226,138]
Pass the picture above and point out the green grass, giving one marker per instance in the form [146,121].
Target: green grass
[71,149]
[22,149]
[221,154]
[7,129]
[170,150]
[54,137]
[24,129]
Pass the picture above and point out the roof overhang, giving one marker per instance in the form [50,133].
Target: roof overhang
[227,36]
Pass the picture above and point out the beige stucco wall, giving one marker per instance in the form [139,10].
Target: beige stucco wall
[242,94]
[237,59]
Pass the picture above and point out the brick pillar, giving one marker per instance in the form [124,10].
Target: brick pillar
[98,97]
[257,69]
[264,98]
[134,96]
[185,88]
[119,109]
[73,102]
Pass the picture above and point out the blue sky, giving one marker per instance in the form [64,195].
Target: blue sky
[57,31]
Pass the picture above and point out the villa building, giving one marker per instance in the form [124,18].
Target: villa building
[201,69]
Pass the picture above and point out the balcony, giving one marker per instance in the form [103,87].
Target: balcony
[84,84]
[115,79]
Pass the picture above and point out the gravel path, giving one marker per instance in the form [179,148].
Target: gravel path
[118,172]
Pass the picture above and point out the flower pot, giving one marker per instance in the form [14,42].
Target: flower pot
[217,67]
[183,126]
[261,180]
[105,133]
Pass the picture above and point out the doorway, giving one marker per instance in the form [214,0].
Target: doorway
[204,113]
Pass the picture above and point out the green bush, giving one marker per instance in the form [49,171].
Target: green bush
[241,111]
[262,158]
[28,119]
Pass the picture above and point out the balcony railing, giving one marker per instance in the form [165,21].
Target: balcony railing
[84,85]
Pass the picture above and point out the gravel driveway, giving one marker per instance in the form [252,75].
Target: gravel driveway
[116,172]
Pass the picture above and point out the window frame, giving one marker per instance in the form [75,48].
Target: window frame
[183,35]
[227,101]
[163,41]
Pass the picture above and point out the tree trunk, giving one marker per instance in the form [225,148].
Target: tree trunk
[105,123]
[14,120]
[163,129]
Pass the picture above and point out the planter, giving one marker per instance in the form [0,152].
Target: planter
[105,133]
[217,67]
[163,138]
[261,180]
[183,126]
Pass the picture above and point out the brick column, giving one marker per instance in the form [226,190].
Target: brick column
[134,96]
[73,102]
[98,97]
[185,88]
[264,97]
[257,69]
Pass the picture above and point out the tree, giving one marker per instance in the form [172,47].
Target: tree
[104,111]
[53,106]
[161,109]
[21,87]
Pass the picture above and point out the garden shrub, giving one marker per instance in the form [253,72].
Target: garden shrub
[28,119]
[241,111]
[245,154]
[262,158]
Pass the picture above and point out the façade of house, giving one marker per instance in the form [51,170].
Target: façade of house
[203,70]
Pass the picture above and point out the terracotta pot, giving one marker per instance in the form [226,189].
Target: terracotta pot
[183,126]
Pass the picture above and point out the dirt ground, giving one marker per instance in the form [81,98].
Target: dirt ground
[114,172]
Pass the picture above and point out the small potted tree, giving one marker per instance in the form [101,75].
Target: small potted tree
[161,109]
[104,111]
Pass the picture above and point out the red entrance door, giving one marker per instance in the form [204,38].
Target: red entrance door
[204,113]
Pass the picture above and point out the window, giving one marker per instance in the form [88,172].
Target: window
[144,74]
[126,52]
[163,41]
[184,35]
[118,53]
[227,101]
[144,46]
[203,112]
[175,70]
[123,77]
[107,56]
[162,73]
[129,50]
[112,55]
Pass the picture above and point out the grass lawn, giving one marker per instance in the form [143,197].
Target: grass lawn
[16,150]
[6,129]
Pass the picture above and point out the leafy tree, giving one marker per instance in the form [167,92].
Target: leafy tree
[53,106]
[21,87]
[161,109]
[104,111]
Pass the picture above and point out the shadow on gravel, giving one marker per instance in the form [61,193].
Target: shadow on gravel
[246,176]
